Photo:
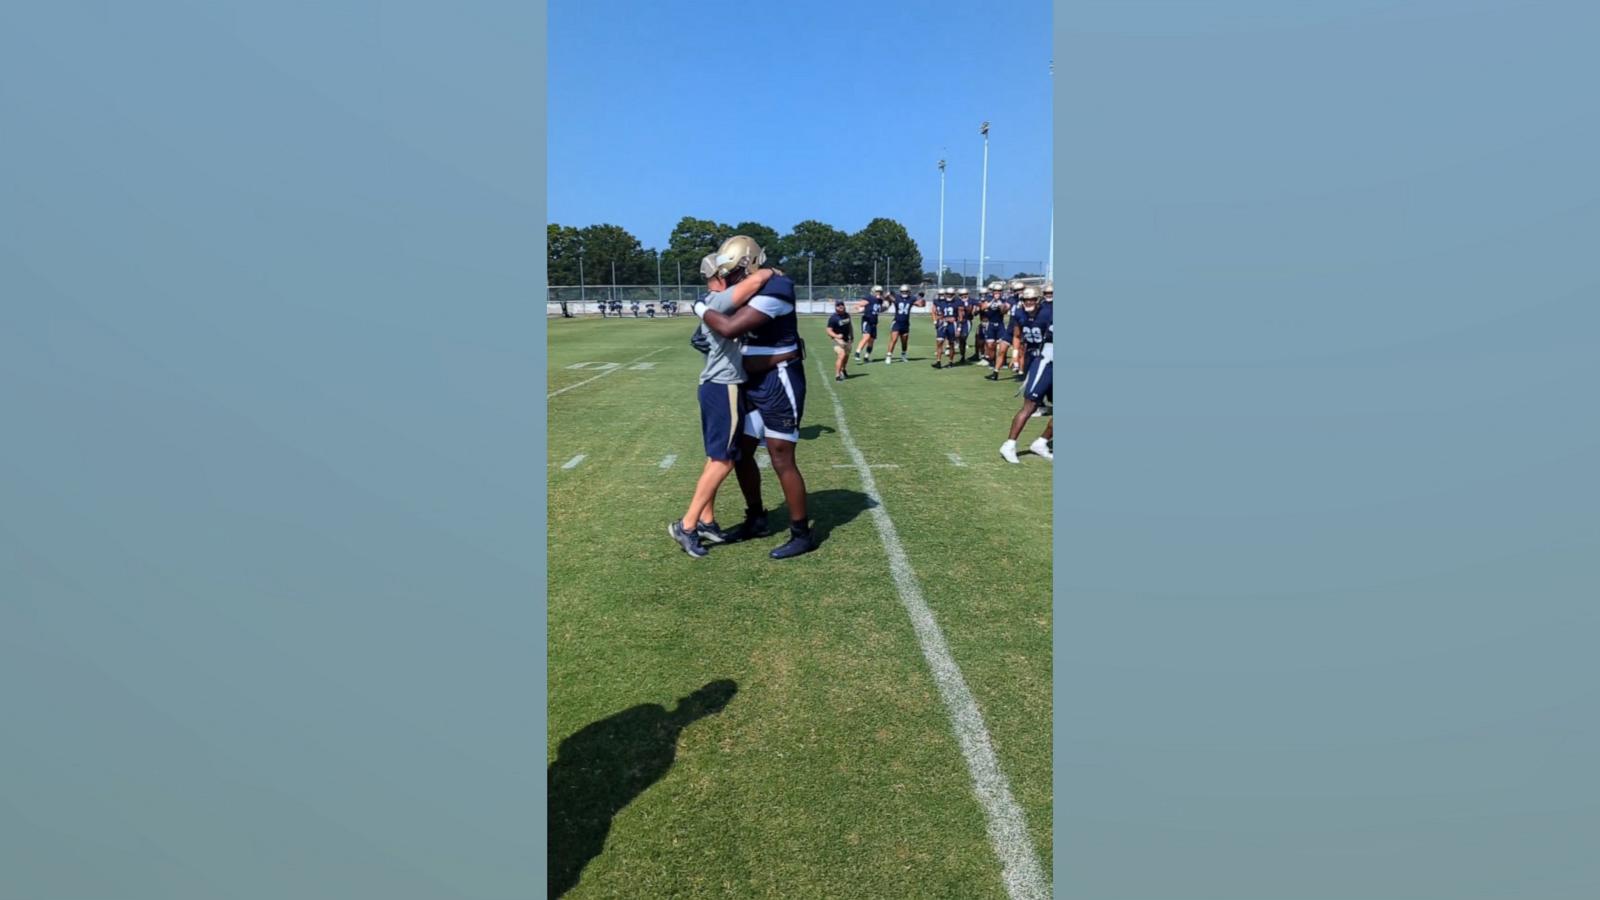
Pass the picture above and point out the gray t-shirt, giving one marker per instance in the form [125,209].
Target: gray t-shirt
[725,363]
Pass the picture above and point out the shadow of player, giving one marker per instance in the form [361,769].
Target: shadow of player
[600,770]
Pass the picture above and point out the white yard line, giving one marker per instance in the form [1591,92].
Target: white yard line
[873,466]
[602,374]
[669,460]
[1008,829]
[955,460]
[573,462]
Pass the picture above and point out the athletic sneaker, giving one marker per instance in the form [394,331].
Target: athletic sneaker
[903,358]
[1041,447]
[992,376]
[839,377]
[1009,451]
[690,544]
[712,533]
[936,365]
[798,543]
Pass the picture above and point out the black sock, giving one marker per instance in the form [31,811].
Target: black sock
[799,528]
[754,514]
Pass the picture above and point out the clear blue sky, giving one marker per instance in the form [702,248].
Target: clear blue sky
[825,110]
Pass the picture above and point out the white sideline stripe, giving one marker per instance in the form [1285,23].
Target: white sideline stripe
[573,462]
[955,460]
[1008,829]
[671,458]
[873,466]
[601,375]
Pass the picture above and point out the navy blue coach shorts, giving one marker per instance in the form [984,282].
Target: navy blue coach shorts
[720,420]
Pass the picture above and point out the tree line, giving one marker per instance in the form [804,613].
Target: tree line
[836,257]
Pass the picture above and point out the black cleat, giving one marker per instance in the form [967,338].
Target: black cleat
[711,533]
[992,376]
[936,365]
[752,527]
[690,544]
[797,544]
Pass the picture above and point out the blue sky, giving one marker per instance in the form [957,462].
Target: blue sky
[824,110]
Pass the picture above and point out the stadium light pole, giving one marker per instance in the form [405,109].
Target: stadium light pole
[613,279]
[875,270]
[983,214]
[678,296]
[810,298]
[582,297]
[660,297]
[940,275]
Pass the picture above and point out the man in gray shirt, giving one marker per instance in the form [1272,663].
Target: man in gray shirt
[721,419]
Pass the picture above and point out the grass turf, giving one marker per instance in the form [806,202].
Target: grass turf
[818,761]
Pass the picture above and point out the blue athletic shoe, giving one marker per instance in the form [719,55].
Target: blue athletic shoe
[690,544]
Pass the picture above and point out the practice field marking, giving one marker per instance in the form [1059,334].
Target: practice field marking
[955,460]
[1008,829]
[763,461]
[573,462]
[670,459]
[618,367]
[873,466]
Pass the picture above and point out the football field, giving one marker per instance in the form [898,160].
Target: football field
[872,719]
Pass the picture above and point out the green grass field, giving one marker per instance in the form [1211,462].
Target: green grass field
[818,759]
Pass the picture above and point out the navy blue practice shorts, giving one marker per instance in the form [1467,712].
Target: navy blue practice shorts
[1037,386]
[778,397]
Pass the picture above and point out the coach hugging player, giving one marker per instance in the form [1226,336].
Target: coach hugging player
[771,399]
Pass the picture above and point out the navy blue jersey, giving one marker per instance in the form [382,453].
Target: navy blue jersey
[946,307]
[994,312]
[902,306]
[1038,327]
[780,333]
[873,310]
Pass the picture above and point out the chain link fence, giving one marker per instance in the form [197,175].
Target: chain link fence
[585,299]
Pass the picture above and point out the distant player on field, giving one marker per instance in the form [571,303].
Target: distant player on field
[869,308]
[839,331]
[944,328]
[900,329]
[1037,331]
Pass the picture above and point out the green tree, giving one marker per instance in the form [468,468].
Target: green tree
[887,243]
[827,245]
[691,240]
[604,245]
[561,254]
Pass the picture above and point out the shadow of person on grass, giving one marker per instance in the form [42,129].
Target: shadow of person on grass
[600,770]
[827,511]
[812,432]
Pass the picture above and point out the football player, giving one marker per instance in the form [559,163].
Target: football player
[869,308]
[900,329]
[1037,331]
